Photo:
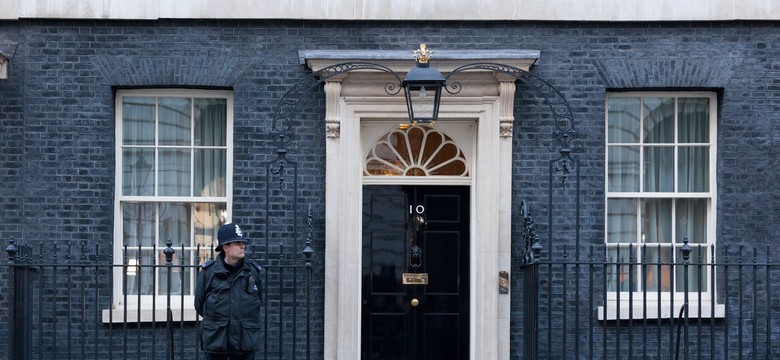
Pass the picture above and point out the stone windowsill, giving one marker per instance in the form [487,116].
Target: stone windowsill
[147,315]
[614,312]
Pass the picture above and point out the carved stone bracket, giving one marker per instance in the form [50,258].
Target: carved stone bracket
[506,91]
[3,67]
[333,109]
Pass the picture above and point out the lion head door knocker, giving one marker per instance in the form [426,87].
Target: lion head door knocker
[415,257]
[415,251]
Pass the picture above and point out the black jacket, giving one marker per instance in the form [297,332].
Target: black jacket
[229,303]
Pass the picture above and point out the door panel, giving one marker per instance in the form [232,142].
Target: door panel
[434,220]
[441,337]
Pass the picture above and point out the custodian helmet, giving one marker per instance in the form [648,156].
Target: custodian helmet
[229,233]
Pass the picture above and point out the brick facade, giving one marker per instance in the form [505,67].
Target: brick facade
[57,126]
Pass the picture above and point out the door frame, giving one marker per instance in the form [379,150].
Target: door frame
[488,102]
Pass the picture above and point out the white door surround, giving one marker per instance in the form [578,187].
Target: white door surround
[487,102]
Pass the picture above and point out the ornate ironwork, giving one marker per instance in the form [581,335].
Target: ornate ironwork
[531,247]
[290,104]
[308,251]
[565,137]
[291,101]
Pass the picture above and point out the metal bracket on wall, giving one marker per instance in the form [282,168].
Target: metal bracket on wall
[503,282]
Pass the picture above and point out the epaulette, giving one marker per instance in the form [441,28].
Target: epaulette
[256,265]
[207,264]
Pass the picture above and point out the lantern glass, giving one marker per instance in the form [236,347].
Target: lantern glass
[423,102]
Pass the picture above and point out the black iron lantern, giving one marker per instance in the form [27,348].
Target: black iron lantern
[422,87]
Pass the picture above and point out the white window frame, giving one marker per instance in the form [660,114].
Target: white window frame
[147,308]
[645,305]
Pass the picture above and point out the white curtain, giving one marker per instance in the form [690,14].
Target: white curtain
[210,140]
[623,129]
[137,138]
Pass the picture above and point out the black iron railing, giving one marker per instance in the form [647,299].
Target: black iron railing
[63,304]
[720,306]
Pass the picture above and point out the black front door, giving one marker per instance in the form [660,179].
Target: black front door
[415,284]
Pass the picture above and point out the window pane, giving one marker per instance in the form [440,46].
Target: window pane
[174,174]
[623,168]
[208,218]
[210,122]
[694,169]
[694,120]
[692,220]
[139,271]
[697,275]
[206,255]
[623,120]
[416,151]
[618,273]
[179,275]
[138,224]
[659,120]
[210,172]
[621,220]
[654,275]
[657,221]
[659,169]
[422,99]
[138,172]
[175,121]
[175,225]
[138,120]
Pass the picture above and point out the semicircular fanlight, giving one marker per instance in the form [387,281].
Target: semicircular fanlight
[415,151]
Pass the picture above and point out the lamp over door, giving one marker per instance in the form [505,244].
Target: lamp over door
[422,88]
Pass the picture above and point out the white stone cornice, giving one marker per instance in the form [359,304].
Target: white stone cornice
[402,10]
[401,61]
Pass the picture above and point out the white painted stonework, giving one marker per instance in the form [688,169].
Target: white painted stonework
[575,10]
[3,67]
[479,119]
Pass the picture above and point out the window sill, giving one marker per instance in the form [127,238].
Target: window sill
[146,315]
[621,312]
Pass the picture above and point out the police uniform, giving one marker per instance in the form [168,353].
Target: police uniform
[229,300]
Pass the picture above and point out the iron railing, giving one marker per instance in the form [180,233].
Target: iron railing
[715,304]
[61,296]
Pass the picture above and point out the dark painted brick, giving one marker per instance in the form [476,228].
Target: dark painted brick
[57,120]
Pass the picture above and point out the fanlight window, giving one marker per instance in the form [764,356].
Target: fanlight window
[415,151]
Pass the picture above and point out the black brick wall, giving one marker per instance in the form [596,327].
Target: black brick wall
[11,152]
[57,123]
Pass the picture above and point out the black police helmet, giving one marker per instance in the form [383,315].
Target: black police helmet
[229,233]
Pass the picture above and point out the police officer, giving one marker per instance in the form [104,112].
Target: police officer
[228,297]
